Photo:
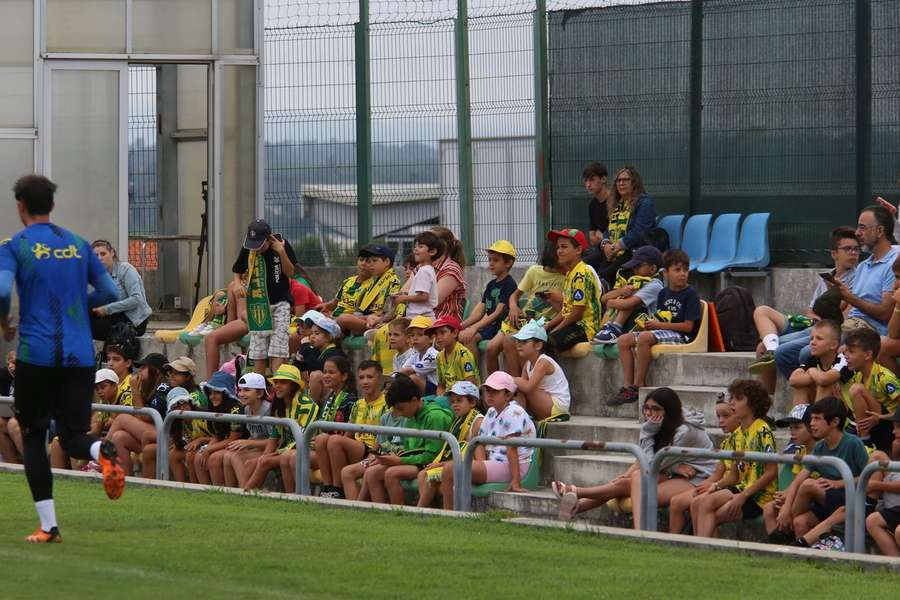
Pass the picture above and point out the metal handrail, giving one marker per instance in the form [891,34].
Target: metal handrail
[809,460]
[303,485]
[619,447]
[859,500]
[162,437]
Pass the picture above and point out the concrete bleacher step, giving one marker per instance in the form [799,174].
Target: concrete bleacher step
[590,469]
[542,503]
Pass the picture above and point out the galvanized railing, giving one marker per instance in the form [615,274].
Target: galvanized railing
[303,485]
[650,481]
[162,434]
[619,447]
[859,500]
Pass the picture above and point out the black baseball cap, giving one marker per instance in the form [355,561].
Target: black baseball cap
[644,255]
[377,250]
[257,233]
[154,359]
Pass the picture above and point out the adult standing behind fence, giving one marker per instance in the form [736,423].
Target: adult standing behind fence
[631,215]
[451,284]
[131,306]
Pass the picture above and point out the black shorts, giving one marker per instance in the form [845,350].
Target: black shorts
[63,394]
[567,337]
[891,516]
[834,499]
[750,510]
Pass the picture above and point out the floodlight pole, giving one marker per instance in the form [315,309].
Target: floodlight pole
[363,126]
[464,131]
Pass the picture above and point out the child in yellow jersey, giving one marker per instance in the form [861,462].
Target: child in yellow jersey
[633,296]
[454,361]
[346,299]
[373,296]
[579,319]
[748,485]
[342,449]
[803,442]
[873,390]
[680,505]
[464,401]
[289,402]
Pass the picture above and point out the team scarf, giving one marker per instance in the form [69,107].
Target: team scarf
[259,311]
[375,294]
[461,426]
[332,405]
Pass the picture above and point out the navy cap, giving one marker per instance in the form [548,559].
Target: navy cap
[377,250]
[644,255]
[257,233]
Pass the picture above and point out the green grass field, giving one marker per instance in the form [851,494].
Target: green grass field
[155,543]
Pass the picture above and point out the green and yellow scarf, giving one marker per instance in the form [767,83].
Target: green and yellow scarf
[259,311]
[376,293]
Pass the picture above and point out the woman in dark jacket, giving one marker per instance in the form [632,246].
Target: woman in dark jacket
[631,215]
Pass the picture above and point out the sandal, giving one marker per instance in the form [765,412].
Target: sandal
[560,489]
[568,506]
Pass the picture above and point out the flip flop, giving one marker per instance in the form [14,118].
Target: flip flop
[568,506]
[559,488]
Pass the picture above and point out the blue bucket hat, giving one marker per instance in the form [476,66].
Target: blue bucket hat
[221,381]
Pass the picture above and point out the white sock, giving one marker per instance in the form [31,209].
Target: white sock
[95,451]
[47,514]
[771,342]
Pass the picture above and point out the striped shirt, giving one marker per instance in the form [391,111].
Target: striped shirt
[454,304]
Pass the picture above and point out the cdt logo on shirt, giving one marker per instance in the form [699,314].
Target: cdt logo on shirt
[43,251]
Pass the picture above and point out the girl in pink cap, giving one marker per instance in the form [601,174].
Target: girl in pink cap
[504,419]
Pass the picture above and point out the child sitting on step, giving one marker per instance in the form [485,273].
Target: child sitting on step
[543,387]
[637,287]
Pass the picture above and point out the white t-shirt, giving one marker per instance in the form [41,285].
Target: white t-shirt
[891,499]
[424,365]
[401,359]
[512,422]
[425,280]
[555,384]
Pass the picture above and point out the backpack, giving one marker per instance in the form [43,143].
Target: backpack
[658,238]
[123,335]
[734,310]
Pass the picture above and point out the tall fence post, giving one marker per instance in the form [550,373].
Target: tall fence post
[363,126]
[695,153]
[542,177]
[464,131]
[863,103]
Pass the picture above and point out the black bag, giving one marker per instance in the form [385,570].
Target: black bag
[658,238]
[734,309]
[125,337]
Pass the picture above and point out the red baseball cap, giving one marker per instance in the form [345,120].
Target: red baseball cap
[449,321]
[573,234]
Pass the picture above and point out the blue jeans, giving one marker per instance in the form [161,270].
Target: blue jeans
[793,350]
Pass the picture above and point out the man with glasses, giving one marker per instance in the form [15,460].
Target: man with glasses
[785,336]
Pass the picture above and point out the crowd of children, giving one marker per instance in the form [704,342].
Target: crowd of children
[423,374]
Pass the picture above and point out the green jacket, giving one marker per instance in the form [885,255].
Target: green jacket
[418,451]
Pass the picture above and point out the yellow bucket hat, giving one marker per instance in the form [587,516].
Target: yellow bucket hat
[288,373]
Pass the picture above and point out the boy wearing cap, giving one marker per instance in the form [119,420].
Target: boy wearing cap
[421,364]
[384,479]
[826,371]
[382,284]
[634,295]
[268,261]
[311,358]
[347,297]
[504,419]
[485,318]
[803,442]
[455,362]
[676,320]
[884,524]
[579,319]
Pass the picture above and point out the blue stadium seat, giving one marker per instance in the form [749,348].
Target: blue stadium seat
[753,246]
[672,224]
[695,239]
[722,244]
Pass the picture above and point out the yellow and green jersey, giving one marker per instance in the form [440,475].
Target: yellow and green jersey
[581,289]
[757,438]
[347,297]
[455,365]
[376,292]
[368,413]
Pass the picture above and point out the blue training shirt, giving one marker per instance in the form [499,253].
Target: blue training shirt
[52,268]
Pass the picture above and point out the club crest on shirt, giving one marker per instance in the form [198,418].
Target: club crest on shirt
[578,295]
[468,367]
[891,388]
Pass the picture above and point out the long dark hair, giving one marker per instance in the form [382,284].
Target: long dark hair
[342,364]
[148,387]
[280,405]
[673,419]
[455,251]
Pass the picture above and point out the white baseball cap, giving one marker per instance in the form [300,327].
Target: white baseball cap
[106,375]
[252,381]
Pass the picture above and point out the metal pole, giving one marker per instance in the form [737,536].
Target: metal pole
[859,525]
[863,103]
[464,131]
[542,177]
[695,151]
[363,126]
[812,461]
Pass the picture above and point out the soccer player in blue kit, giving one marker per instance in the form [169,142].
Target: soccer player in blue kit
[52,268]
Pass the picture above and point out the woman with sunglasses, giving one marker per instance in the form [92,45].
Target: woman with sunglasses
[131,306]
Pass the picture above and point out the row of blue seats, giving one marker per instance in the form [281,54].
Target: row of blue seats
[726,243]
